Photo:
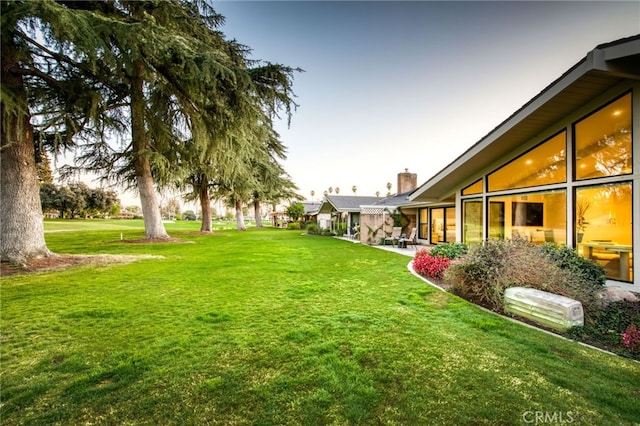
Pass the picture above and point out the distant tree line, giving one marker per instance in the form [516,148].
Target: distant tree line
[78,200]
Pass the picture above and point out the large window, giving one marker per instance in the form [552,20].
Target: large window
[472,211]
[443,225]
[604,228]
[526,197]
[474,188]
[537,217]
[423,227]
[543,165]
[603,141]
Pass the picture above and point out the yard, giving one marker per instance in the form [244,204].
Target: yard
[275,327]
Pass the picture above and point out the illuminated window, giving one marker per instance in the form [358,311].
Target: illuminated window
[536,217]
[443,225]
[472,231]
[474,188]
[423,227]
[603,222]
[546,164]
[603,141]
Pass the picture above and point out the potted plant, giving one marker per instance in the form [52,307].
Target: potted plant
[582,207]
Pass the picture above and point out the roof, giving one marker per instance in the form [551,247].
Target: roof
[395,200]
[311,207]
[345,203]
[602,69]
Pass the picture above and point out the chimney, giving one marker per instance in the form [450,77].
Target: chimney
[407,181]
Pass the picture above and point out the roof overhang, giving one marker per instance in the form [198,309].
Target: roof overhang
[329,207]
[602,69]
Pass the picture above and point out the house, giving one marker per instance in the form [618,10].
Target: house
[564,168]
[341,213]
[377,219]
[310,210]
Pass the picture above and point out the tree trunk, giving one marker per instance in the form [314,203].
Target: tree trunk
[205,206]
[240,216]
[153,226]
[21,226]
[257,212]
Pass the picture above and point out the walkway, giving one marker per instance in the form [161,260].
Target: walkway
[409,251]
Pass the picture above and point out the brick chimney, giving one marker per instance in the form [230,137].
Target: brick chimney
[407,181]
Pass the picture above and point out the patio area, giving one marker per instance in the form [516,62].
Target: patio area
[408,251]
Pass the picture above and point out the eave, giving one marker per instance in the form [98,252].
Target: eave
[603,68]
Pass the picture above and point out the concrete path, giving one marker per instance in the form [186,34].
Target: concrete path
[409,251]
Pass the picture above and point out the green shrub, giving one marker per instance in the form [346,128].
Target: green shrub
[449,250]
[590,274]
[483,274]
[328,233]
[293,225]
[341,229]
[608,325]
[313,229]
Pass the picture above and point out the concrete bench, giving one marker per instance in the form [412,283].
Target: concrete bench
[551,310]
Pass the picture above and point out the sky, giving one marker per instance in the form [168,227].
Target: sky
[390,85]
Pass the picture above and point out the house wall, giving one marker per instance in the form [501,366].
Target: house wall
[410,214]
[615,219]
[324,220]
[373,227]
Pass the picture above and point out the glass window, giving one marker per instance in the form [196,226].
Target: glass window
[437,225]
[604,229]
[450,224]
[603,141]
[472,231]
[474,188]
[423,226]
[496,220]
[543,165]
[537,217]
[443,225]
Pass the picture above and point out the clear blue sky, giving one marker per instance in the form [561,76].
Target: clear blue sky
[394,85]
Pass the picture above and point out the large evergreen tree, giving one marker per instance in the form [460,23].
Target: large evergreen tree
[151,73]
[40,86]
[185,82]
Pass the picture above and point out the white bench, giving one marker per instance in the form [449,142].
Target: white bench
[551,310]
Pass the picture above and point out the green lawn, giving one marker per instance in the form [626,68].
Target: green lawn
[272,327]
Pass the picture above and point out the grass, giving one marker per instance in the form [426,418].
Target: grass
[133,225]
[272,327]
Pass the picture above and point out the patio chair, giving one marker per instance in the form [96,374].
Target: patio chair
[411,239]
[395,235]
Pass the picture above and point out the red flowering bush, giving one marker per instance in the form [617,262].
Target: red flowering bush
[631,337]
[430,266]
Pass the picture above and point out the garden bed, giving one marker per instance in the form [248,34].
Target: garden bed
[482,276]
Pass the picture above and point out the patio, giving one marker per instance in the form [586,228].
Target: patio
[409,251]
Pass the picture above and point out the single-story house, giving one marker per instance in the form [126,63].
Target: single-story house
[378,219]
[344,212]
[310,210]
[369,217]
[564,168]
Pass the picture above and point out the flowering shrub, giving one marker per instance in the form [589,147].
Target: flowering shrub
[631,337]
[430,266]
